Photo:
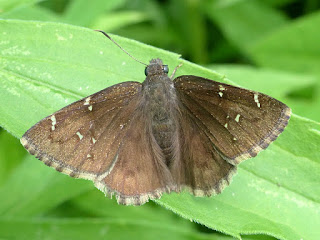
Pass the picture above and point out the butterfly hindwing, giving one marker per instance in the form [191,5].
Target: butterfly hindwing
[139,173]
[239,122]
[199,167]
[82,138]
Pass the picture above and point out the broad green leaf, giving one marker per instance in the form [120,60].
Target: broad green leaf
[45,66]
[190,25]
[244,22]
[112,21]
[96,204]
[6,5]
[84,229]
[11,153]
[157,31]
[81,13]
[33,12]
[294,47]
[32,189]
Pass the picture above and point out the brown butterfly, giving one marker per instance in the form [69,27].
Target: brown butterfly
[139,140]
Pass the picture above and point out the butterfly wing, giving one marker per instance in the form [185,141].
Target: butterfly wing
[104,138]
[198,166]
[238,122]
[82,139]
[139,173]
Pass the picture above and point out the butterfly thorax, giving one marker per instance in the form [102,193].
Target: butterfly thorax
[160,99]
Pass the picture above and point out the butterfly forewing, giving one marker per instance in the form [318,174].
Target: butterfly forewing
[82,139]
[239,122]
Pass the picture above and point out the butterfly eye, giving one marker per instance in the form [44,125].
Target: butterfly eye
[165,68]
[146,71]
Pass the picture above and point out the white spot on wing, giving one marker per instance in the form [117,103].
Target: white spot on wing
[221,88]
[54,122]
[226,125]
[93,140]
[87,101]
[90,108]
[79,135]
[255,97]
[220,94]
[237,118]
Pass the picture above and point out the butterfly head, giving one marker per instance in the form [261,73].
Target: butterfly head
[156,67]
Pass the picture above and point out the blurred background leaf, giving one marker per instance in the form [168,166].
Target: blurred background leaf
[271,46]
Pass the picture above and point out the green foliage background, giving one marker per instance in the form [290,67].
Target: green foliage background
[50,57]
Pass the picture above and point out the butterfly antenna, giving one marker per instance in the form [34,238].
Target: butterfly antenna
[121,47]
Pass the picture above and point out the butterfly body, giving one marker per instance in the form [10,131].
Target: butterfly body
[160,106]
[137,141]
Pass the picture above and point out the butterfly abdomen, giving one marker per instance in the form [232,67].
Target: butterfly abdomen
[160,97]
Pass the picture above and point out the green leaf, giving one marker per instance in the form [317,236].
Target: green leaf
[294,47]
[6,5]
[79,12]
[33,189]
[33,12]
[83,229]
[11,153]
[190,25]
[96,204]
[244,22]
[112,21]
[45,66]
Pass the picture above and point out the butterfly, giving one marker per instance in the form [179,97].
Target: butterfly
[139,140]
